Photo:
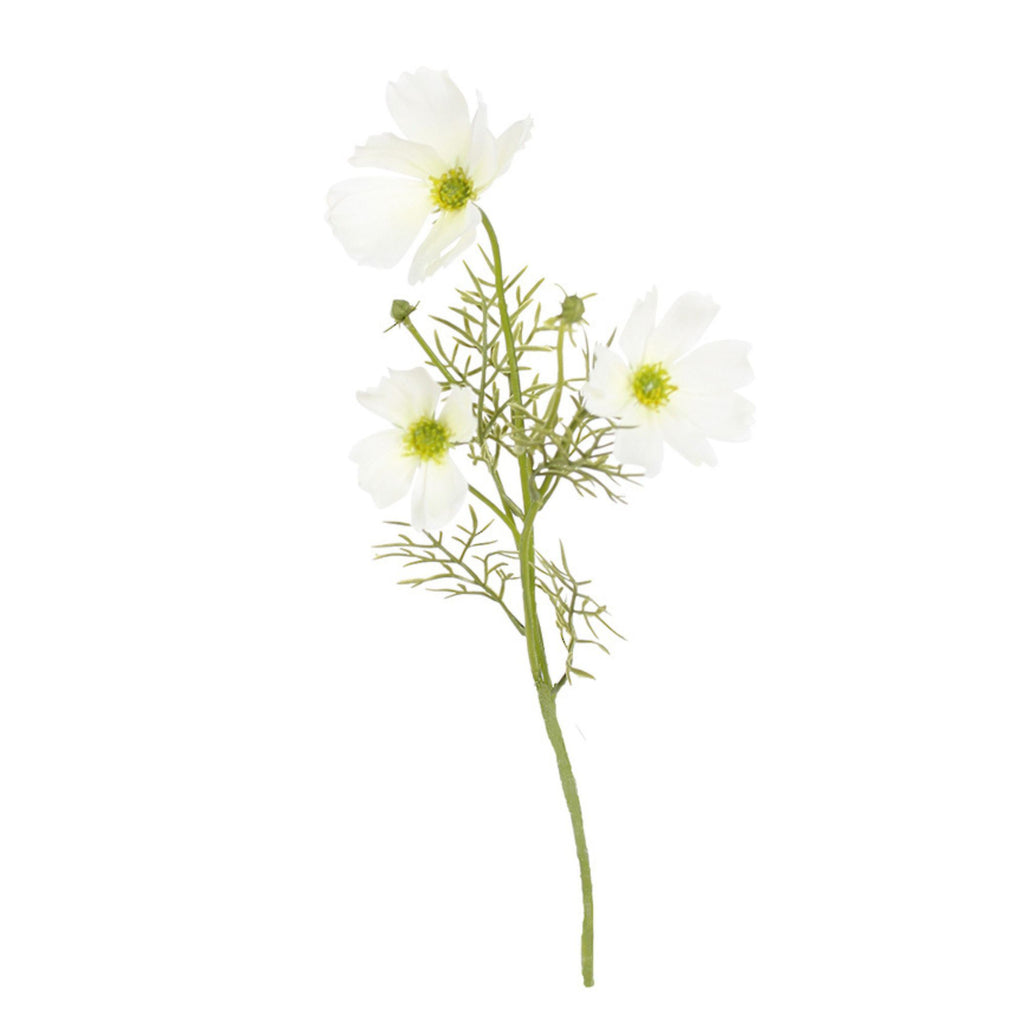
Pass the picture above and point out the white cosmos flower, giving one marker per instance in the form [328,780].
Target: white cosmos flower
[414,453]
[446,161]
[666,390]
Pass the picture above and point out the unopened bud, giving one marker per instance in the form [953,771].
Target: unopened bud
[572,309]
[400,310]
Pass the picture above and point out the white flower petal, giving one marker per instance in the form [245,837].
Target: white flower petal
[607,392]
[457,415]
[438,493]
[377,219]
[384,468]
[429,108]
[686,438]
[482,162]
[726,416]
[403,397]
[641,444]
[388,152]
[680,328]
[638,328]
[510,141]
[451,235]
[715,367]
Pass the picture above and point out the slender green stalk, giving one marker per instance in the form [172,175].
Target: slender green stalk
[525,466]
[431,355]
[546,695]
[556,397]
[504,516]
[532,504]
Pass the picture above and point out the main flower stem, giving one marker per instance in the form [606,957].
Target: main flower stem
[532,504]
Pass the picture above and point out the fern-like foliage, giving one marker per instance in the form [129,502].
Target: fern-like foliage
[573,608]
[542,427]
[464,564]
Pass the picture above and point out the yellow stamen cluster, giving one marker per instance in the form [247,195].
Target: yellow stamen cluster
[427,439]
[652,385]
[452,190]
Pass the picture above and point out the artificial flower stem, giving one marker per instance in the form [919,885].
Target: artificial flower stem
[431,355]
[556,398]
[532,504]
[510,506]
[546,696]
[525,466]
[505,517]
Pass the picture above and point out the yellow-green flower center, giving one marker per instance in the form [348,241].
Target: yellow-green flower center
[452,190]
[652,385]
[427,439]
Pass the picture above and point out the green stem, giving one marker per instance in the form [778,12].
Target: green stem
[546,696]
[532,504]
[431,354]
[552,417]
[505,517]
[523,458]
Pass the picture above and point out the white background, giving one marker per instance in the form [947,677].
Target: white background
[245,777]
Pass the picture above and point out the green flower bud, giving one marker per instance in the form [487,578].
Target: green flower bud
[572,309]
[400,310]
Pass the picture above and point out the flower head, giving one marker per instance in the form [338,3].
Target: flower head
[667,390]
[446,161]
[414,453]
